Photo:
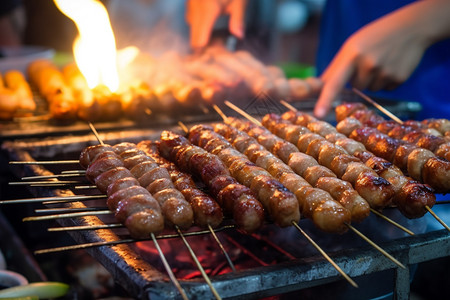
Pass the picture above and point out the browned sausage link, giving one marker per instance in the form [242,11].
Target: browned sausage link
[414,162]
[176,210]
[89,154]
[337,216]
[206,210]
[204,164]
[343,165]
[243,172]
[381,166]
[316,146]
[409,132]
[140,216]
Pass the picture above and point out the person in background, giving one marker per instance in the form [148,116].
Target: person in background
[396,47]
[400,48]
[12,22]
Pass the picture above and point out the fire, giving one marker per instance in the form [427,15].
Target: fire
[95,47]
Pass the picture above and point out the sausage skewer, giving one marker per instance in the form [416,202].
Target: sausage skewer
[235,199]
[327,214]
[349,226]
[409,196]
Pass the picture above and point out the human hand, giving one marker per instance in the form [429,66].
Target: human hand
[202,14]
[380,55]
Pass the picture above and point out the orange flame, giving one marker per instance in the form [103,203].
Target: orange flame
[95,47]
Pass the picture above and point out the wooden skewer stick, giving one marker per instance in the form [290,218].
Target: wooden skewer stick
[85,227]
[67,209]
[52,176]
[168,269]
[393,259]
[288,105]
[380,107]
[51,199]
[436,217]
[125,241]
[94,131]
[83,172]
[246,115]
[44,162]
[324,254]
[227,257]
[45,183]
[184,127]
[68,215]
[391,221]
[84,246]
[199,266]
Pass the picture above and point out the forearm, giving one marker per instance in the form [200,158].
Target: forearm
[428,20]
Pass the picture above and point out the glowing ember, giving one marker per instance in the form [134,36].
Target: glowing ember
[95,47]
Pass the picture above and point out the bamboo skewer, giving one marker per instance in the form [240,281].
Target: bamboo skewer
[68,215]
[381,250]
[51,199]
[325,255]
[391,221]
[380,107]
[85,227]
[199,266]
[227,257]
[436,217]
[44,162]
[52,176]
[168,269]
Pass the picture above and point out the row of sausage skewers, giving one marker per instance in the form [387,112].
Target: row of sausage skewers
[248,176]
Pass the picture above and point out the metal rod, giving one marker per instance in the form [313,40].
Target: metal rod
[95,133]
[68,215]
[246,115]
[324,254]
[391,221]
[168,269]
[227,257]
[62,198]
[382,251]
[371,101]
[436,217]
[199,266]
[44,162]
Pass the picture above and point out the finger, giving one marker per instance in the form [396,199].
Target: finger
[364,76]
[334,79]
[236,9]
[202,21]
